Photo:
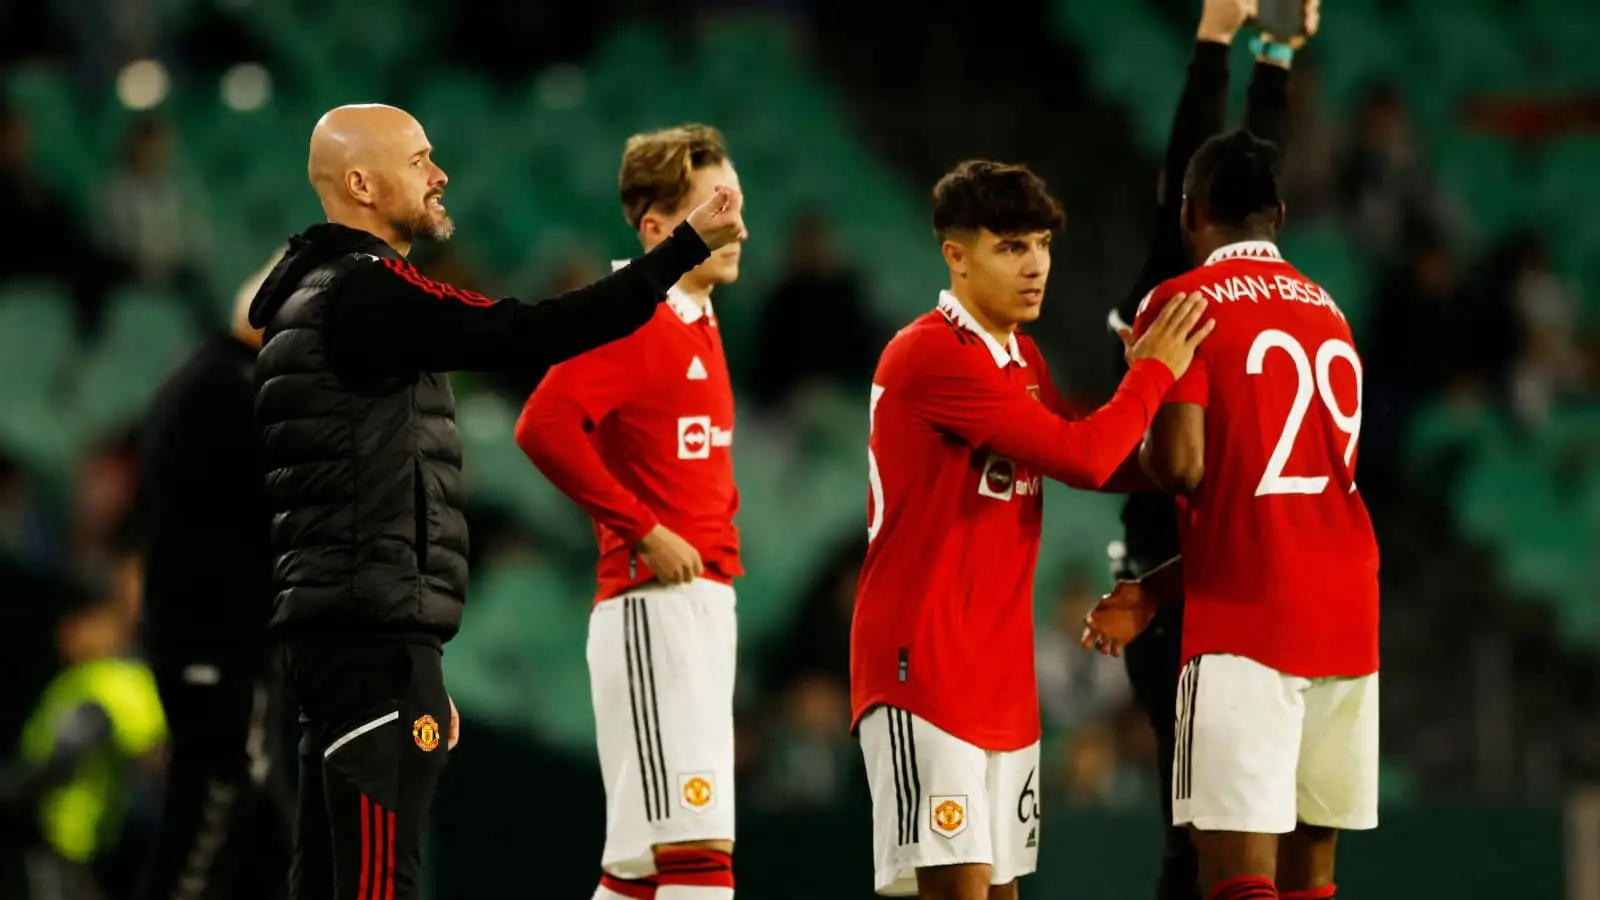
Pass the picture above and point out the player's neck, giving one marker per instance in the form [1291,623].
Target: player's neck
[1000,332]
[699,293]
[362,220]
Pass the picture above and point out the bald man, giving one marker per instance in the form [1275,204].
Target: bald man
[364,476]
[207,592]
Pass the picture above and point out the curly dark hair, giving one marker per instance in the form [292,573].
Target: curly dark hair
[1232,177]
[1004,198]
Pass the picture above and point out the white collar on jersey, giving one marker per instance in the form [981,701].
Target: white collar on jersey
[687,310]
[1005,353]
[1258,250]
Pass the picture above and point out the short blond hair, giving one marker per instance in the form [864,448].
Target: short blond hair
[656,166]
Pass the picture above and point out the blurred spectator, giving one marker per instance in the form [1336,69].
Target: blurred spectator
[1382,179]
[1075,686]
[1549,360]
[51,245]
[25,530]
[1420,343]
[814,327]
[150,223]
[91,753]
[1098,775]
[810,760]
[1309,170]
[808,755]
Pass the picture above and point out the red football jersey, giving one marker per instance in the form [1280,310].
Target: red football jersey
[1280,562]
[639,432]
[963,428]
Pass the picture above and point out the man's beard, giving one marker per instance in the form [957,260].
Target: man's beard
[425,225]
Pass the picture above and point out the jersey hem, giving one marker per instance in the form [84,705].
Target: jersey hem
[985,741]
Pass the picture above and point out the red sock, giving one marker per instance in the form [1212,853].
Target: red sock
[1245,887]
[612,887]
[694,875]
[1325,892]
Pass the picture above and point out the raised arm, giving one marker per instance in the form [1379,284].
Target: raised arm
[389,319]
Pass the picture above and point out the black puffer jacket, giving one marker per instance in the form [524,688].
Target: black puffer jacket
[364,472]
[358,420]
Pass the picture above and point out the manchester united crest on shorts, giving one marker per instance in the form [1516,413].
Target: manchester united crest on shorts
[695,792]
[425,731]
[948,813]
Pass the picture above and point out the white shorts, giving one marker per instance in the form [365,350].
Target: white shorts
[661,668]
[939,801]
[1258,750]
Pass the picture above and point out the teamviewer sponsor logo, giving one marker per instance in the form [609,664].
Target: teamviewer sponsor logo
[999,478]
[694,437]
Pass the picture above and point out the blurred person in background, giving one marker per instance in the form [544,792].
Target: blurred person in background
[816,287]
[1383,178]
[364,477]
[53,245]
[1075,688]
[1150,519]
[639,433]
[811,761]
[150,223]
[208,591]
[91,753]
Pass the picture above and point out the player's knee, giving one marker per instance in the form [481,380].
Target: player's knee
[1305,858]
[1007,891]
[1226,855]
[968,881]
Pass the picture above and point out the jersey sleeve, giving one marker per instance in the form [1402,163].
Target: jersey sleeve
[555,430]
[961,393]
[1195,384]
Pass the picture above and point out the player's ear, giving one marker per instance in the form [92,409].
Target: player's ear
[359,186]
[955,256]
[1186,215]
[1281,216]
[650,230]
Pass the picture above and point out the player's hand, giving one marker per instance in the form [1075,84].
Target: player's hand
[1173,337]
[670,558]
[455,725]
[1220,20]
[1313,20]
[1121,616]
[720,220]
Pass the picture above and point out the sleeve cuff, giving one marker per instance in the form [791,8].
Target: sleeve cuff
[1210,58]
[646,524]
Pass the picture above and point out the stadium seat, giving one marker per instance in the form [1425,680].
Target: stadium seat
[146,335]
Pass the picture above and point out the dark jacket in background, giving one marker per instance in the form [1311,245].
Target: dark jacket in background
[203,514]
[362,458]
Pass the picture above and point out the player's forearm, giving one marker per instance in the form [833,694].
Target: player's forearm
[559,448]
[1202,112]
[614,307]
[1130,477]
[1267,109]
[1086,453]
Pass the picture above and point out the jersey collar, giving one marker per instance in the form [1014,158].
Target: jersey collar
[687,310]
[1265,251]
[1003,354]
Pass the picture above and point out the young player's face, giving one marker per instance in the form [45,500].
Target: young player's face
[723,266]
[411,190]
[1006,275]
